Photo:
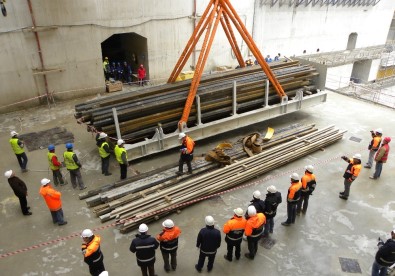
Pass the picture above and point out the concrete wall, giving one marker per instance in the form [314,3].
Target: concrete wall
[374,69]
[338,77]
[81,26]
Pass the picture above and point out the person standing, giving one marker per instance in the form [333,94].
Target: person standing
[92,253]
[20,190]
[73,165]
[144,246]
[385,256]
[352,171]
[253,230]
[308,186]
[55,165]
[104,152]
[294,193]
[186,155]
[208,241]
[234,230]
[17,146]
[168,240]
[122,157]
[53,200]
[257,203]
[373,146]
[141,74]
[273,199]
[106,68]
[381,157]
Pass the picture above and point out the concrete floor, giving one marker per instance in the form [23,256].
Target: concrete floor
[332,227]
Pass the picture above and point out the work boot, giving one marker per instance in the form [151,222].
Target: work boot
[25,170]
[247,255]
[372,177]
[226,258]
[62,223]
[366,166]
[107,174]
[179,173]
[341,193]
[343,197]
[285,223]
[197,268]
[28,214]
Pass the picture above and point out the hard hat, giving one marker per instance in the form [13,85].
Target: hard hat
[51,147]
[379,130]
[69,146]
[120,142]
[143,228]
[181,135]
[251,211]
[104,273]
[87,233]
[295,176]
[106,58]
[209,220]
[8,173]
[45,181]
[257,194]
[13,133]
[238,212]
[357,156]
[102,135]
[309,168]
[168,223]
[271,189]
[387,139]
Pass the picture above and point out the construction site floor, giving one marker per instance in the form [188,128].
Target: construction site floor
[333,237]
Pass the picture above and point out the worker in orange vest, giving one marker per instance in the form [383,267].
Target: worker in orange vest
[294,193]
[308,186]
[168,241]
[381,157]
[351,173]
[186,156]
[234,230]
[373,146]
[53,200]
[92,253]
[253,230]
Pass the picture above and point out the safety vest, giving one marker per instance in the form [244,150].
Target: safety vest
[387,150]
[189,144]
[51,165]
[254,225]
[376,143]
[118,154]
[234,228]
[51,197]
[68,159]
[308,183]
[296,190]
[168,239]
[92,252]
[15,147]
[352,170]
[102,151]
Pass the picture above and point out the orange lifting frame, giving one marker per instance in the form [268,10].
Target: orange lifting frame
[222,11]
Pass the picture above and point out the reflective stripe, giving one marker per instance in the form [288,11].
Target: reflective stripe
[147,260]
[208,253]
[98,259]
[233,238]
[171,248]
[257,235]
[145,246]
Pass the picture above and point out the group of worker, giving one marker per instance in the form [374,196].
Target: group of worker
[268,59]
[123,72]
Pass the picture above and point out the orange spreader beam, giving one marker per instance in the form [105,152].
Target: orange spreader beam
[217,11]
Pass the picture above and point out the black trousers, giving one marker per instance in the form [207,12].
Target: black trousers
[291,212]
[202,257]
[23,203]
[22,160]
[96,268]
[148,270]
[185,158]
[124,170]
[105,164]
[166,259]
[230,245]
[252,246]
[304,199]
[57,177]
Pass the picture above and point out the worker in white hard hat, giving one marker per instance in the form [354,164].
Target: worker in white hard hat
[92,253]
[53,200]
[18,147]
[294,192]
[385,257]
[272,200]
[352,171]
[257,202]
[74,166]
[374,145]
[104,152]
[144,246]
[122,157]
[168,241]
[186,153]
[208,241]
[253,230]
[20,190]
[381,157]
[309,183]
[234,230]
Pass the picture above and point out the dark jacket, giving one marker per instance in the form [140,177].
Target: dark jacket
[144,246]
[18,186]
[386,254]
[92,252]
[271,203]
[208,240]
[258,204]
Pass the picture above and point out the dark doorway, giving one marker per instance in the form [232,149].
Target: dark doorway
[129,47]
[352,41]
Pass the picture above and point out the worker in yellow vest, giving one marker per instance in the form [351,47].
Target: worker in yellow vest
[55,166]
[122,157]
[104,152]
[73,165]
[17,146]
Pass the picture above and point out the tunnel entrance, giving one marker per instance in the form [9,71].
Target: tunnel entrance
[129,47]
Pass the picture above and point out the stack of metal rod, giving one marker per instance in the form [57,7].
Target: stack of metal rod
[140,113]
[134,202]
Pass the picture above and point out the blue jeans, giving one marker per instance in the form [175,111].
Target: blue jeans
[370,159]
[378,270]
[22,160]
[268,226]
[379,168]
[57,216]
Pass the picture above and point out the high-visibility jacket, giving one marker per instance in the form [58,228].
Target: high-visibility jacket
[189,144]
[352,170]
[168,239]
[254,225]
[234,228]
[102,152]
[382,154]
[92,252]
[375,143]
[118,154]
[53,162]
[15,146]
[51,197]
[69,160]
[308,182]
[294,192]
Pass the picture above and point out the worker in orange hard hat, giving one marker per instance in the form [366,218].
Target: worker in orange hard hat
[141,74]
[381,157]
